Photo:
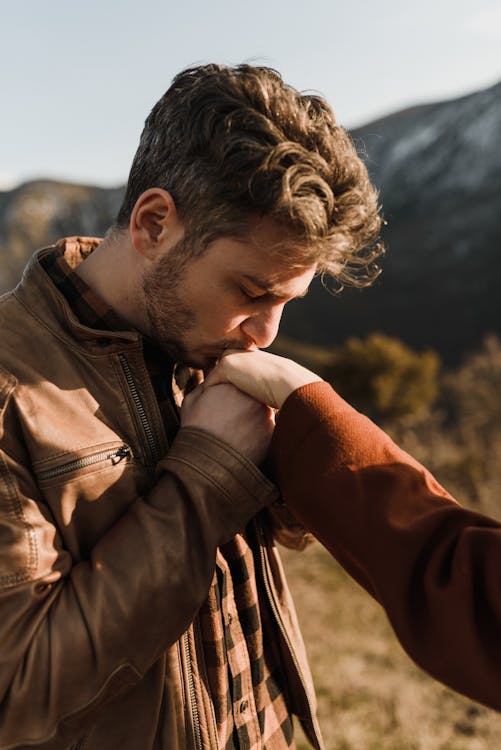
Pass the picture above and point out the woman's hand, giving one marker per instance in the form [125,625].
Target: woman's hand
[264,376]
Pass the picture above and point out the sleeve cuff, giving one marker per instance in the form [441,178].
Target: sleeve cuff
[216,462]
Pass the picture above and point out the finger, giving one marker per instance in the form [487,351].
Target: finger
[193,395]
[228,352]
[215,376]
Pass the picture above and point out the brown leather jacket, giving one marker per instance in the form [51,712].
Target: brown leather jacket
[99,579]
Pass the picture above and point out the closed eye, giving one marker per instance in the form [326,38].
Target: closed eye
[257,293]
[251,296]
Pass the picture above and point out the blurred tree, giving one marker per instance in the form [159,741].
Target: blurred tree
[472,393]
[384,377]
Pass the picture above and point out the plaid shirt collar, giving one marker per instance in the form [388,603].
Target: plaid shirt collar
[90,309]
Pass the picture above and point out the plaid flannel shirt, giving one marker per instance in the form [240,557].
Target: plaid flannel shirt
[238,631]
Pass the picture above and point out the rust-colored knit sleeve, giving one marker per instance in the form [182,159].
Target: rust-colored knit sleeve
[434,566]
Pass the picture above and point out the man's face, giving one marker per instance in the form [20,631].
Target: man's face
[232,296]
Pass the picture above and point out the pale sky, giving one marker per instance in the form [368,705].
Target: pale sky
[78,78]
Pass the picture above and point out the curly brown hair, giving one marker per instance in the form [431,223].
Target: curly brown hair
[230,143]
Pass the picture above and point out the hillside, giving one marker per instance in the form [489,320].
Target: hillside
[38,213]
[438,169]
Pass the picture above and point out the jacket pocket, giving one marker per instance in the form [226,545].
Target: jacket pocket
[88,490]
[56,469]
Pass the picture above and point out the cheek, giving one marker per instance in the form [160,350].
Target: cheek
[221,319]
[226,323]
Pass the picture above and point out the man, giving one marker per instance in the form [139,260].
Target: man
[142,600]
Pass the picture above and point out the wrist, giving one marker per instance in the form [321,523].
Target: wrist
[293,379]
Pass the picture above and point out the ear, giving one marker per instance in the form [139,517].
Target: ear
[154,223]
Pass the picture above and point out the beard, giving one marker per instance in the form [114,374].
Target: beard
[170,320]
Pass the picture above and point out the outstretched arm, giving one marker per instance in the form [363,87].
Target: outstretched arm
[433,565]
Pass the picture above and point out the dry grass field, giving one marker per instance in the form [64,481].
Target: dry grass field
[371,696]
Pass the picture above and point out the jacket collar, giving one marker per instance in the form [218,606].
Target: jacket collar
[40,296]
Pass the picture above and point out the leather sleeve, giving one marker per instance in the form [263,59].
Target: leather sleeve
[73,636]
[433,565]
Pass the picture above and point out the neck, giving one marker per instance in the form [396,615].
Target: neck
[112,271]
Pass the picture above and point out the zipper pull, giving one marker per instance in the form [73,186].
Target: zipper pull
[123,452]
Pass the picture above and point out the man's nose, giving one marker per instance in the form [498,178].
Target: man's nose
[262,327]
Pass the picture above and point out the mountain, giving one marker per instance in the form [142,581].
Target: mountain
[38,213]
[438,169]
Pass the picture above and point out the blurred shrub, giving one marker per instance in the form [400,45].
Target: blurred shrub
[472,393]
[472,399]
[461,441]
[383,377]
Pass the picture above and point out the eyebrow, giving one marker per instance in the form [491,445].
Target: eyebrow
[273,291]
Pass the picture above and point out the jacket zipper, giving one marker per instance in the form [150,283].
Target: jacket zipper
[152,445]
[191,692]
[148,431]
[281,626]
[81,463]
